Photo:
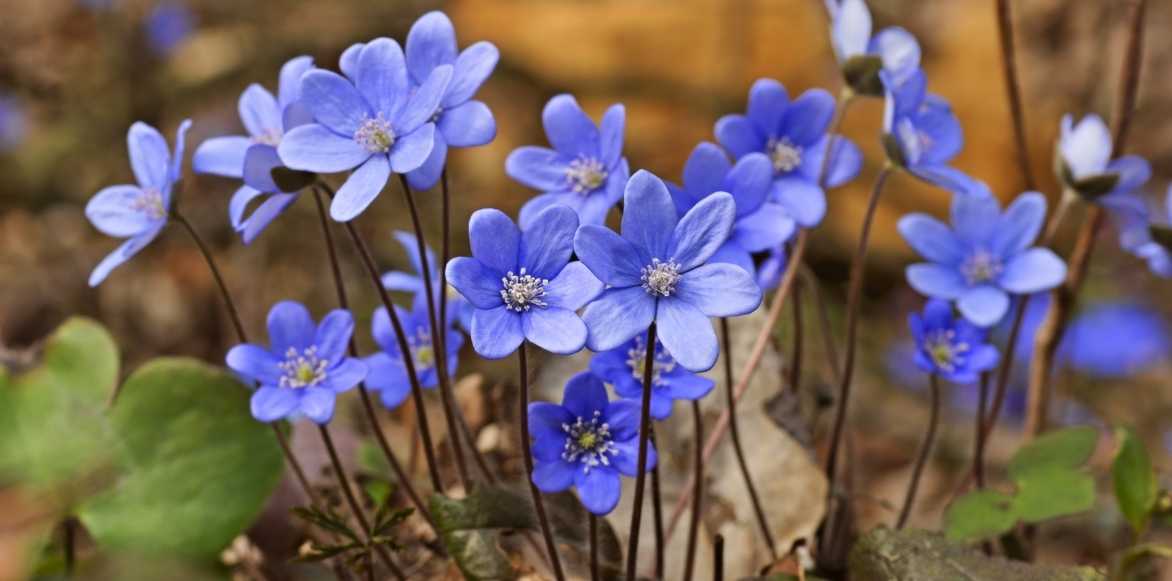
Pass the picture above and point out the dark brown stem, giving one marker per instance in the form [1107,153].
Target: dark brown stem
[445,255]
[438,328]
[718,558]
[657,517]
[527,454]
[640,477]
[795,362]
[925,451]
[989,418]
[698,496]
[825,328]
[979,430]
[594,574]
[68,544]
[1013,87]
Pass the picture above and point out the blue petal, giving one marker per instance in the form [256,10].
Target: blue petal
[425,101]
[627,460]
[411,150]
[935,280]
[617,316]
[495,240]
[537,167]
[348,62]
[473,67]
[239,203]
[477,284]
[705,170]
[335,102]
[689,386]
[381,77]
[289,80]
[428,175]
[802,199]
[554,476]
[430,43]
[984,306]
[599,489]
[333,335]
[899,51]
[768,101]
[573,288]
[388,376]
[850,28]
[149,156]
[259,162]
[845,164]
[808,117]
[937,314]
[360,189]
[468,125]
[548,241]
[290,326]
[496,333]
[687,333]
[719,290]
[944,176]
[1133,171]
[702,230]
[649,216]
[984,358]
[315,148]
[1018,227]
[264,215]
[932,239]
[259,112]
[112,211]
[546,420]
[611,135]
[974,218]
[768,227]
[938,126]
[345,375]
[749,182]
[596,206]
[584,395]
[569,129]
[121,254]
[554,329]
[269,404]
[737,135]
[317,403]
[1034,270]
[384,333]
[222,156]
[734,254]
[255,363]
[623,417]
[609,256]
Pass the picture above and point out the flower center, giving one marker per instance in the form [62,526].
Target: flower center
[150,202]
[660,365]
[375,134]
[422,350]
[523,291]
[784,154]
[660,278]
[302,368]
[981,267]
[585,175]
[589,442]
[945,352]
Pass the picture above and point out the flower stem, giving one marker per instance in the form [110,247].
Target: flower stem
[718,558]
[344,303]
[356,508]
[445,255]
[925,450]
[657,516]
[979,430]
[438,328]
[594,574]
[641,473]
[795,362]
[698,496]
[527,454]
[68,544]
[1013,88]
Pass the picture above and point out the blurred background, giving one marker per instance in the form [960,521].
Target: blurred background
[74,74]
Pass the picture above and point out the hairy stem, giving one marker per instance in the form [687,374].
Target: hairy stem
[698,496]
[657,517]
[718,558]
[641,474]
[925,451]
[527,454]
[594,573]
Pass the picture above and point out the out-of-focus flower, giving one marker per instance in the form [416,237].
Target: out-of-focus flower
[984,256]
[659,271]
[253,157]
[586,442]
[458,309]
[1084,165]
[893,51]
[375,123]
[950,347]
[522,283]
[623,368]
[902,367]
[1150,238]
[138,212]
[771,268]
[168,25]
[585,170]
[793,135]
[12,122]
[921,135]
[388,372]
[305,366]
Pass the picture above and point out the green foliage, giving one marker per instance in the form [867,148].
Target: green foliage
[470,529]
[1135,481]
[351,545]
[1049,481]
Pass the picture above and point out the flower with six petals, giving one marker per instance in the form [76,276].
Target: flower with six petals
[950,347]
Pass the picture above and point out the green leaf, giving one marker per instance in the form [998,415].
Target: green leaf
[1135,483]
[979,515]
[470,529]
[1051,492]
[1068,448]
[196,468]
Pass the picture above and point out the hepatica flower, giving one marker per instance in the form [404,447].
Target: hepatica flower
[585,169]
[793,136]
[388,371]
[167,26]
[893,51]
[921,135]
[623,368]
[1152,240]
[304,367]
[373,123]
[1084,165]
[253,157]
[458,308]
[984,256]
[952,348]
[522,283]
[759,225]
[586,442]
[138,212]
[658,271]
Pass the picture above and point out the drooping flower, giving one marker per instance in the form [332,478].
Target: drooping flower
[373,122]
[253,157]
[950,347]
[460,120]
[1084,165]
[985,255]
[793,135]
[138,212]
[12,122]
[623,368]
[586,442]
[585,170]
[921,135]
[759,225]
[893,51]
[305,366]
[1151,238]
[388,372]
[522,283]
[458,309]
[659,271]
[168,25]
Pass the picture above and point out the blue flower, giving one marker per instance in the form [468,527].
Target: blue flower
[460,120]
[168,25]
[952,348]
[793,135]
[623,368]
[305,366]
[375,122]
[921,134]
[523,284]
[253,157]
[1150,239]
[906,373]
[1085,166]
[658,272]
[985,256]
[771,268]
[12,122]
[893,51]
[585,169]
[458,309]
[388,372]
[587,442]
[760,225]
[138,212]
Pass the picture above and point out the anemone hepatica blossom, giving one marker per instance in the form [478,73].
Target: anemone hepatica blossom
[759,225]
[793,135]
[904,371]
[893,51]
[1085,166]
[952,348]
[253,157]
[658,271]
[375,125]
[623,368]
[138,212]
[921,135]
[585,170]
[522,283]
[985,256]
[167,26]
[388,372]
[772,267]
[458,308]
[586,442]
[305,366]
[1151,239]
